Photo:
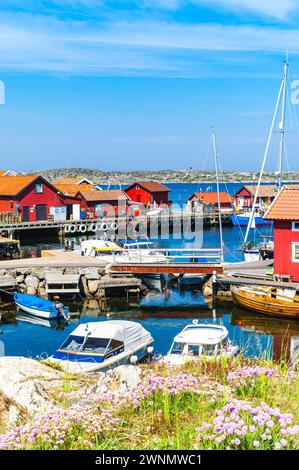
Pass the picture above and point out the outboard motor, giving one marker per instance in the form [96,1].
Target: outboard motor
[61,309]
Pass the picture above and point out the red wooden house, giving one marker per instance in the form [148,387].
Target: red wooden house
[285,213]
[30,197]
[245,196]
[104,203]
[148,193]
[210,199]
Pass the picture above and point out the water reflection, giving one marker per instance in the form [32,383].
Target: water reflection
[163,315]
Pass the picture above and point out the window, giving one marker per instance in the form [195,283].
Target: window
[38,188]
[295,252]
[295,226]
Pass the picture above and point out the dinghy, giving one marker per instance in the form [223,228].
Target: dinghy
[40,307]
[102,345]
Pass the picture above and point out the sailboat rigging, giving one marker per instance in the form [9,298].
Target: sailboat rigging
[252,254]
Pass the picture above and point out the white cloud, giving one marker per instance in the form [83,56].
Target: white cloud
[42,44]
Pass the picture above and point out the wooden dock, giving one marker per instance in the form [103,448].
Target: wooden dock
[168,268]
[253,281]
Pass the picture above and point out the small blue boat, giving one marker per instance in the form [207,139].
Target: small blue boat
[243,220]
[40,307]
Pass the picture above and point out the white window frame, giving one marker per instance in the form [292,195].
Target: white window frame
[294,229]
[294,260]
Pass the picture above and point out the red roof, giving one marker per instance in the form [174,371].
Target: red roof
[211,197]
[150,186]
[286,205]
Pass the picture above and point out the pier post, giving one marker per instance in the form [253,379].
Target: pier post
[214,289]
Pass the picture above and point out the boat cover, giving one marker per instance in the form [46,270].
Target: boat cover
[127,332]
[34,302]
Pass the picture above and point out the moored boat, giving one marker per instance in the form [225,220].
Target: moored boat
[102,345]
[267,301]
[40,307]
[200,340]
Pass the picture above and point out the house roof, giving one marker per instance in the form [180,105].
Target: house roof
[13,185]
[104,195]
[4,173]
[72,189]
[286,205]
[73,181]
[150,186]
[265,190]
[211,197]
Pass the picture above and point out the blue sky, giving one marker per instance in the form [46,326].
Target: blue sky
[121,85]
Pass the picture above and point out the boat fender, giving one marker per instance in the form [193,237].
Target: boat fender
[114,226]
[104,227]
[82,228]
[93,227]
[72,228]
[133,359]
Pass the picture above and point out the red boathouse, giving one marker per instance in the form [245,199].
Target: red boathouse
[29,197]
[285,213]
[148,193]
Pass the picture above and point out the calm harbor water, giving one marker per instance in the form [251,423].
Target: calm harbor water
[163,314]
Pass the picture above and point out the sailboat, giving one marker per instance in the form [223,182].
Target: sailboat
[250,250]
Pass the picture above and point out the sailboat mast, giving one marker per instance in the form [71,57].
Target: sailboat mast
[282,121]
[218,190]
[263,163]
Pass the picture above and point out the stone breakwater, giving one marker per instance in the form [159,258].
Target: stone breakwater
[92,282]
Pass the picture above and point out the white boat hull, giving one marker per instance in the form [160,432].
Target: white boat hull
[81,367]
[178,360]
[38,313]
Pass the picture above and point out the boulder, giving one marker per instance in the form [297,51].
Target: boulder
[92,276]
[120,379]
[32,281]
[27,383]
[93,286]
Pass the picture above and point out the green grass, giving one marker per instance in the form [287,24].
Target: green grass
[170,420]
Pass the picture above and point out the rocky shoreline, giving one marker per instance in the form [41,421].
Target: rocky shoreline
[189,175]
[92,283]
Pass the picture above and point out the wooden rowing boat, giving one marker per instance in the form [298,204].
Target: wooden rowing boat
[268,302]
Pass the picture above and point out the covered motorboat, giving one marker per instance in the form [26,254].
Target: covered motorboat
[102,345]
[40,307]
[200,340]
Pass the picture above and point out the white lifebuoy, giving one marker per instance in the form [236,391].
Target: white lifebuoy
[104,227]
[93,227]
[72,228]
[82,228]
[114,226]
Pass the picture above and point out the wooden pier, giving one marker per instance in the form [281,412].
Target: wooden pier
[171,220]
[168,268]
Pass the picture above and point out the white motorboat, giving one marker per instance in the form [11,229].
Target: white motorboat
[95,247]
[200,340]
[142,251]
[103,345]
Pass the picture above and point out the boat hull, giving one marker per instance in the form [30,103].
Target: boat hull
[81,367]
[264,304]
[244,221]
[38,313]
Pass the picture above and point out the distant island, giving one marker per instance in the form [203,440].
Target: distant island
[189,175]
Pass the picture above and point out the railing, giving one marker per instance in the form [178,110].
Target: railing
[174,255]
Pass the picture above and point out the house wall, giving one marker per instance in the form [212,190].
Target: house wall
[145,197]
[108,208]
[29,198]
[283,238]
